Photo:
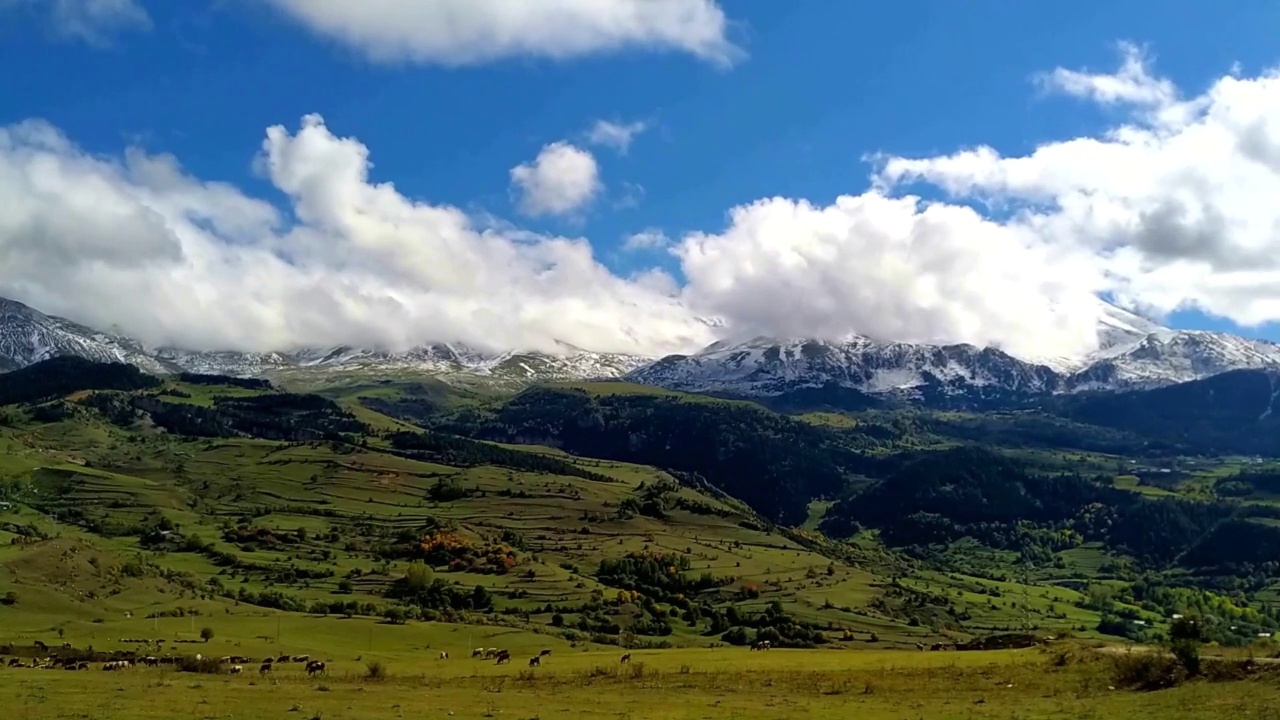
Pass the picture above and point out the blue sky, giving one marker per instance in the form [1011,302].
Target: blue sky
[821,86]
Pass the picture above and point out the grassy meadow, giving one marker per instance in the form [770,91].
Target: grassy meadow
[590,683]
[113,532]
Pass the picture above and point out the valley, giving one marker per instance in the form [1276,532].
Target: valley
[385,521]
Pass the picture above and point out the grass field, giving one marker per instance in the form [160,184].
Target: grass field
[111,533]
[663,684]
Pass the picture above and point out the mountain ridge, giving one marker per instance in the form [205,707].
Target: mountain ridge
[1133,353]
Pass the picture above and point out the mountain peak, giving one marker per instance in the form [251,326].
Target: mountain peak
[1135,352]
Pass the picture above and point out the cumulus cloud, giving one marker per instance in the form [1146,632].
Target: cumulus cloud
[1173,206]
[615,135]
[1171,209]
[96,22]
[562,179]
[466,32]
[892,269]
[139,243]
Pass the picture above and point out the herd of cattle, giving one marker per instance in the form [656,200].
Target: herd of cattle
[68,658]
[233,664]
[935,647]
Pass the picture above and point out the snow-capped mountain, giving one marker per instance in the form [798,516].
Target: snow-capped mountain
[1133,352]
[766,366]
[28,336]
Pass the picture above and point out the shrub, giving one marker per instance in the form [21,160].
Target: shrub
[206,665]
[10,598]
[1187,652]
[736,636]
[1148,671]
[375,670]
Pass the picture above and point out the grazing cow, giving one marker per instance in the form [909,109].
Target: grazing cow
[82,665]
[15,662]
[626,658]
[478,652]
[236,669]
[302,658]
[504,656]
[761,645]
[535,661]
[315,667]
[41,646]
[544,653]
[444,655]
[920,646]
[282,659]
[264,668]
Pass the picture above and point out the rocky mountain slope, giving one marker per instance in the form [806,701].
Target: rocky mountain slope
[1133,353]
[28,336]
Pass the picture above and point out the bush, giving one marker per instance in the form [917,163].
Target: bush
[206,665]
[10,598]
[736,636]
[557,620]
[1187,652]
[375,670]
[1144,670]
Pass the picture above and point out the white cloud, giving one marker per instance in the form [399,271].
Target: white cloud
[138,243]
[1174,207]
[562,179]
[1171,209]
[96,22]
[1132,83]
[465,32]
[615,135]
[891,269]
[647,239]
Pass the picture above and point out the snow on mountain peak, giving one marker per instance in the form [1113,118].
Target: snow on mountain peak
[1133,352]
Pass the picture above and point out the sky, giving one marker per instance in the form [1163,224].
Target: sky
[639,176]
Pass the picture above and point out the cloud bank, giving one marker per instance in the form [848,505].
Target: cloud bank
[1170,209]
[468,32]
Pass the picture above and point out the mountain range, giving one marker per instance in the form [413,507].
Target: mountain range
[1132,353]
